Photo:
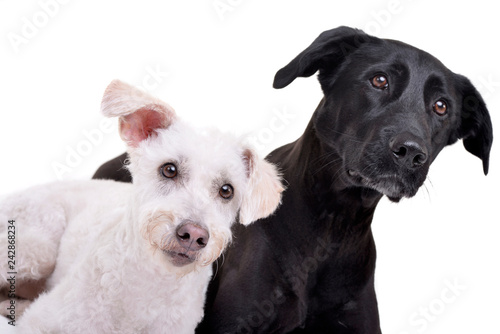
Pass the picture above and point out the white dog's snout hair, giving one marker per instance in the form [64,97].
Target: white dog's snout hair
[159,228]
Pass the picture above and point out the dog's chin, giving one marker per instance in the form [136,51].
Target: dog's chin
[392,186]
[179,259]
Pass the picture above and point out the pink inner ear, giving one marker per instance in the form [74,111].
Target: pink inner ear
[248,160]
[143,124]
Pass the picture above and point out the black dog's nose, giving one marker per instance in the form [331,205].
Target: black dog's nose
[408,150]
[191,236]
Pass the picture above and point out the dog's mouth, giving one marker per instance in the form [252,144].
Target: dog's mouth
[391,185]
[179,259]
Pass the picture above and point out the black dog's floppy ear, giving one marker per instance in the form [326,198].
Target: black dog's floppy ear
[475,127]
[325,53]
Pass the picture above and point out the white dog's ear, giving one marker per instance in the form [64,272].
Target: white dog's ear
[264,192]
[140,114]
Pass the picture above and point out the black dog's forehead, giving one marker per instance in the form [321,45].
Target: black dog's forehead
[397,59]
[391,53]
[399,51]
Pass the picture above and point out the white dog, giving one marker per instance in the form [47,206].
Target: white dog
[135,258]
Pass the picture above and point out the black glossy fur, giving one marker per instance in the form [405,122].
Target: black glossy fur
[309,268]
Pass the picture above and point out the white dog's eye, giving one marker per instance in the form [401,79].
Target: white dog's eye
[226,191]
[169,170]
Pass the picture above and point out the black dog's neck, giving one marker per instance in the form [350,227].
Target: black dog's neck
[314,168]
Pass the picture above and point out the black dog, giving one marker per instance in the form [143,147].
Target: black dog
[388,109]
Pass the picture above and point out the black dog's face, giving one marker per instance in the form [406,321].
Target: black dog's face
[388,109]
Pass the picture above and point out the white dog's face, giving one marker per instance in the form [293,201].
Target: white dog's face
[184,176]
[190,184]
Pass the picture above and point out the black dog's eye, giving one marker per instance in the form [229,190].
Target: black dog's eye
[169,170]
[380,81]
[226,191]
[440,107]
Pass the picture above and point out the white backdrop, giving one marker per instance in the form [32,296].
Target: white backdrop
[214,62]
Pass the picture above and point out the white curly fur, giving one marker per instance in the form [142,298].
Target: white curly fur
[102,245]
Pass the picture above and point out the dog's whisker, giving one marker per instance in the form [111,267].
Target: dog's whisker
[327,164]
[349,137]
[428,181]
[216,264]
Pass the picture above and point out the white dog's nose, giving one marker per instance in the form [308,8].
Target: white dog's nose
[191,236]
